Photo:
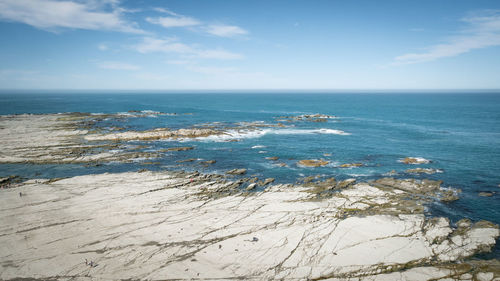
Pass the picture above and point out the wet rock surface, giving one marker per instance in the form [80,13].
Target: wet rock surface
[306,117]
[414,160]
[351,165]
[312,163]
[428,171]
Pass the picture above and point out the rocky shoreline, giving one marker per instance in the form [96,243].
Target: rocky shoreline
[175,225]
[180,225]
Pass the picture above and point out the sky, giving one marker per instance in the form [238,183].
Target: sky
[220,44]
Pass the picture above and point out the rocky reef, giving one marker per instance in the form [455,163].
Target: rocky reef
[306,117]
[428,171]
[178,225]
[414,160]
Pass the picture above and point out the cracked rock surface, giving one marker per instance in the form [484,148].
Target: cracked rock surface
[164,225]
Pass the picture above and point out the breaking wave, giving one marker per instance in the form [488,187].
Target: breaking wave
[248,134]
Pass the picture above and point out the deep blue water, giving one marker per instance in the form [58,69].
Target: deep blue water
[459,133]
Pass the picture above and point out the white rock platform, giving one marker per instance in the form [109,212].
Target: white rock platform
[178,226]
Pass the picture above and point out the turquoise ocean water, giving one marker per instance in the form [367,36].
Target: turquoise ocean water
[459,133]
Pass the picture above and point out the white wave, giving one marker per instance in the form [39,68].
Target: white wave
[126,114]
[416,160]
[258,146]
[150,111]
[248,134]
[360,175]
[144,113]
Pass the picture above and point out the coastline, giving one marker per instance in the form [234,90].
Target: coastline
[179,225]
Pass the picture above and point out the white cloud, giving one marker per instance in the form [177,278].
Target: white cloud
[225,30]
[180,62]
[116,65]
[165,11]
[155,45]
[218,54]
[103,47]
[52,15]
[174,21]
[483,31]
[177,20]
[211,70]
[148,76]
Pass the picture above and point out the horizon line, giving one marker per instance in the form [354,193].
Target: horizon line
[339,90]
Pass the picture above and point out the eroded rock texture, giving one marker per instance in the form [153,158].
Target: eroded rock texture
[181,226]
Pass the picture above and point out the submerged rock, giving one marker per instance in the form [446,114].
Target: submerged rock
[313,163]
[180,148]
[409,185]
[186,160]
[391,173]
[486,194]
[208,162]
[428,171]
[351,165]
[274,158]
[307,117]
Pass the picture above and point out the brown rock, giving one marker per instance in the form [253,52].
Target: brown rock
[180,148]
[448,196]
[187,160]
[313,163]
[414,160]
[486,194]
[351,165]
[237,172]
[346,183]
[266,181]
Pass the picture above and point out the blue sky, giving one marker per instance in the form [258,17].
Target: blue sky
[113,44]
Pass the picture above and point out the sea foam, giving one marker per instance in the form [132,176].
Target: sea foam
[248,134]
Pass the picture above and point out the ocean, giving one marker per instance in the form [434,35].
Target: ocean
[459,133]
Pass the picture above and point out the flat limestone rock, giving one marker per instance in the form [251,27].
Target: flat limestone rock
[162,225]
[56,138]
[156,134]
